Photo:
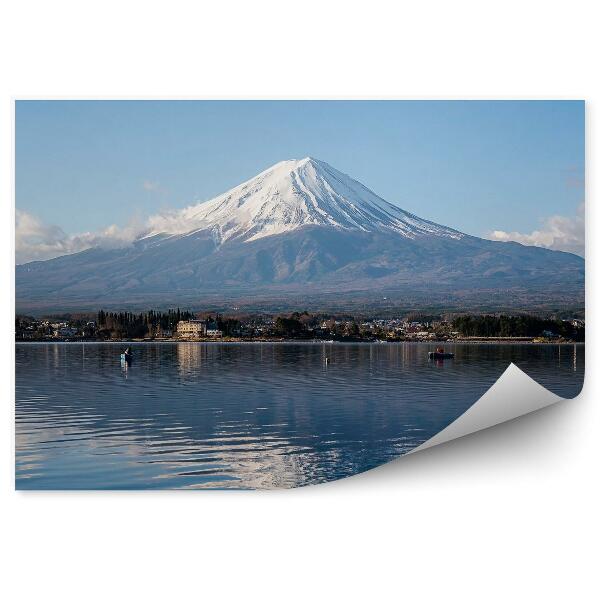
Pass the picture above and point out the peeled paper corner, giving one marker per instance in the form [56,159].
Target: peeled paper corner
[514,394]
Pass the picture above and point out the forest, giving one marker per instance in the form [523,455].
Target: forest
[515,326]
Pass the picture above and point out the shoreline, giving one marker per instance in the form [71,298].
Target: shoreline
[474,342]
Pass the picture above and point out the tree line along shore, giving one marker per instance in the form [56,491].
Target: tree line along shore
[177,324]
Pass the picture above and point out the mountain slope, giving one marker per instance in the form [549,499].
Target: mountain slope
[294,194]
[298,228]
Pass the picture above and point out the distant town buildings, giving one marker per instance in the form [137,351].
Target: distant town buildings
[198,328]
[65,332]
[176,324]
[192,328]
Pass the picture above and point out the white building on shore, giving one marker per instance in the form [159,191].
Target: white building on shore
[194,328]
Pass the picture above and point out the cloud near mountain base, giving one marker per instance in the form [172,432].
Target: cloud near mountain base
[35,240]
[558,233]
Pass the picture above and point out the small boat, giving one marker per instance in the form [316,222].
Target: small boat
[440,355]
[126,358]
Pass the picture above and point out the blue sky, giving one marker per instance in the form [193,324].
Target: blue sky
[475,166]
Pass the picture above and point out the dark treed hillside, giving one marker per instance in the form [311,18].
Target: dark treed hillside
[515,326]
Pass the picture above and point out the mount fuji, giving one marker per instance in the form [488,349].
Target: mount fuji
[294,194]
[300,230]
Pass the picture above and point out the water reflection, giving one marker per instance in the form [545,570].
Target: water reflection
[246,415]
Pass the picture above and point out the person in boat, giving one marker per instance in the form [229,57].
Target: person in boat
[127,353]
[439,350]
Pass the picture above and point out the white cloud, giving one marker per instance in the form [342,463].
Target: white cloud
[558,233]
[175,221]
[34,240]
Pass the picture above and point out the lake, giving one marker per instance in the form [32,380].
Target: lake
[247,415]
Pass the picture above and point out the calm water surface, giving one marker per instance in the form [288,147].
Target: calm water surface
[193,415]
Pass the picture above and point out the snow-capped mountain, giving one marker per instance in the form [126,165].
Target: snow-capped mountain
[301,230]
[293,194]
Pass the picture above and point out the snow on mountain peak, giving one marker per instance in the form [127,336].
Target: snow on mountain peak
[292,194]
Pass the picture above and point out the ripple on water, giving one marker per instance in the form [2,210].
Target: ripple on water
[246,415]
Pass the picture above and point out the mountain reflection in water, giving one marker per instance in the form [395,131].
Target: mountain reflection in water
[219,415]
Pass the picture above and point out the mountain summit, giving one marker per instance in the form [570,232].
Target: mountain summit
[293,194]
[302,234]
